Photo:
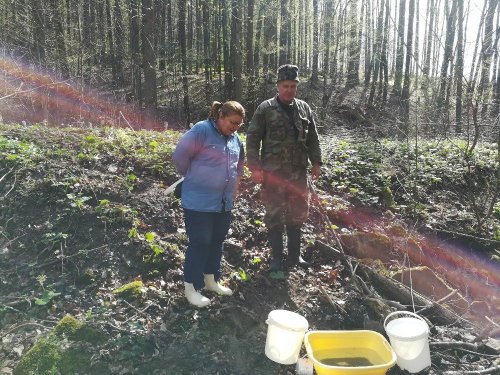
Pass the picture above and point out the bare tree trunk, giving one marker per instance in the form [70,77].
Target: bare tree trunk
[38,46]
[60,40]
[400,49]
[111,44]
[170,32]
[353,45]
[182,44]
[405,92]
[342,47]
[228,73]
[250,37]
[236,49]
[483,89]
[120,43]
[377,51]
[496,102]
[327,90]
[368,46]
[259,37]
[199,37]
[302,37]
[315,59]
[206,49]
[437,42]
[135,50]
[284,32]
[148,57]
[428,48]
[384,69]
[89,45]
[473,71]
[339,23]
[459,71]
[162,53]
[270,29]
[189,35]
[448,50]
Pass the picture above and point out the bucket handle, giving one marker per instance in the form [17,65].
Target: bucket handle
[386,320]
[277,324]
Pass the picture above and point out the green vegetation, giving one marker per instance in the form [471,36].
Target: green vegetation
[427,183]
[130,291]
[52,355]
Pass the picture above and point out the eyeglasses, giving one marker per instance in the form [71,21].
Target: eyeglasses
[236,124]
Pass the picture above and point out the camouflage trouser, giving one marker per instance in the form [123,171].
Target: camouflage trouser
[285,197]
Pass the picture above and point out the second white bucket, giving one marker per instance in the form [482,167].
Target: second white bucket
[408,334]
[285,334]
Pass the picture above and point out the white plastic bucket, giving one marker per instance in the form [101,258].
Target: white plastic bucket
[285,333]
[408,334]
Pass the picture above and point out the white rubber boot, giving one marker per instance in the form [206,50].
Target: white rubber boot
[213,286]
[194,297]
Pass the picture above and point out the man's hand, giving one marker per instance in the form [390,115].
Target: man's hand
[257,176]
[315,171]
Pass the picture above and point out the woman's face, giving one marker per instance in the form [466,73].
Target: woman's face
[229,124]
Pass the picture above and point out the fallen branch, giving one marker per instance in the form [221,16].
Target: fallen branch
[336,254]
[5,175]
[388,302]
[445,298]
[331,301]
[464,235]
[462,345]
[24,325]
[13,185]
[491,370]
[491,321]
[400,292]
[128,123]
[35,88]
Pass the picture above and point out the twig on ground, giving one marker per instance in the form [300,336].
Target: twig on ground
[118,328]
[139,312]
[438,302]
[5,175]
[456,345]
[13,185]
[465,235]
[331,301]
[128,123]
[491,370]
[491,321]
[24,325]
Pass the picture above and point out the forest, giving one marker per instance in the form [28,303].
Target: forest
[94,96]
[435,61]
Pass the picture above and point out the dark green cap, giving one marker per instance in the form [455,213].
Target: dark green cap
[288,72]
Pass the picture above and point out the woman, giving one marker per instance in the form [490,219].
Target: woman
[210,157]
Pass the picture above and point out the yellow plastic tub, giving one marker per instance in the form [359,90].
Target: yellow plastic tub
[349,352]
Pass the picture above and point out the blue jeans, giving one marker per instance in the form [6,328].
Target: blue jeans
[206,232]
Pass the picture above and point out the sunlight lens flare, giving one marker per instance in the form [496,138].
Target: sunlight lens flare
[36,96]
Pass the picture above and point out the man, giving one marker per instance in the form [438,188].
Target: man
[281,140]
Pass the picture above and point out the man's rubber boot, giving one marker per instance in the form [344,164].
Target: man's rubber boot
[214,286]
[275,239]
[194,297]
[293,246]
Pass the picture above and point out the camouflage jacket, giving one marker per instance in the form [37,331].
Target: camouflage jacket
[274,143]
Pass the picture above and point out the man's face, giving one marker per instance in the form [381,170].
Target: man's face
[287,90]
